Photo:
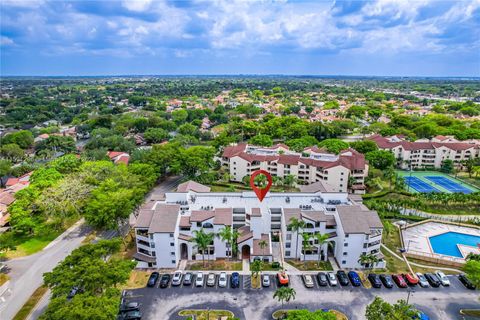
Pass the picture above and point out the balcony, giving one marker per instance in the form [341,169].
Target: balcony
[375,243]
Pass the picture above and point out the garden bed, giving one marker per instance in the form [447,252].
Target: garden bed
[217,265]
[310,265]
[207,314]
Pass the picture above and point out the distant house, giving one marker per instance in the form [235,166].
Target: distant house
[119,157]
[41,137]
[7,196]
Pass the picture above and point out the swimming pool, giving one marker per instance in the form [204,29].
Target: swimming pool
[446,243]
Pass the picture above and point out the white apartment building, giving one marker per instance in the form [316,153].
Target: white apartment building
[425,153]
[343,172]
[166,225]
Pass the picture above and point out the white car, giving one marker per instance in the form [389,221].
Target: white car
[332,280]
[307,280]
[177,278]
[211,279]
[222,280]
[199,279]
[443,278]
[266,281]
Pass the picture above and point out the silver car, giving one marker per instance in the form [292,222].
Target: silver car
[307,280]
[332,280]
[265,280]
[199,279]
[177,278]
[422,281]
[443,278]
[211,280]
[222,280]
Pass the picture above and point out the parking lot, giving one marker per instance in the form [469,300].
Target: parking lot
[247,303]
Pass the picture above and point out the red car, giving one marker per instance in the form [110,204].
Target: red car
[411,279]
[399,280]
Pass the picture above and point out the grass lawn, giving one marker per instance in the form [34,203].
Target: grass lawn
[470,312]
[3,278]
[138,279]
[310,265]
[207,314]
[217,265]
[279,313]
[32,245]
[238,187]
[30,304]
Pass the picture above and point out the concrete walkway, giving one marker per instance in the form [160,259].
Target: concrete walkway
[245,266]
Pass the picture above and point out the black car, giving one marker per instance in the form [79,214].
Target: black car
[342,278]
[153,279]
[235,280]
[164,281]
[466,282]
[131,315]
[322,279]
[386,280]
[433,280]
[375,280]
[129,306]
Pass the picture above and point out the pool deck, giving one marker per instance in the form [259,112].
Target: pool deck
[416,238]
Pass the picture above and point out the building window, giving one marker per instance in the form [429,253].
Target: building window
[172,244]
[289,236]
[172,253]
[341,173]
[288,245]
[171,235]
[345,244]
[346,235]
[345,253]
[173,261]
[151,235]
[344,262]
[287,253]
[154,254]
[152,245]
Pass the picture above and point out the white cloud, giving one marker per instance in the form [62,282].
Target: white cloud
[6,41]
[137,5]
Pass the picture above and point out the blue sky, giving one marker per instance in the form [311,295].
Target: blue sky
[381,37]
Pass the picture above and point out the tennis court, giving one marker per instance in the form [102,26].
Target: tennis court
[420,185]
[448,184]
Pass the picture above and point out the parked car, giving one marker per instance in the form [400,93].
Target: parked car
[332,280]
[354,278]
[165,280]
[130,315]
[422,281]
[342,278]
[152,280]
[73,292]
[307,280]
[433,280]
[282,279]
[187,279]
[322,279]
[375,280]
[129,306]
[177,278]
[399,280]
[386,280]
[199,279]
[443,278]
[411,279]
[235,280]
[466,282]
[222,280]
[266,280]
[421,316]
[211,280]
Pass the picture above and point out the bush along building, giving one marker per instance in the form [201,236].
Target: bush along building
[167,225]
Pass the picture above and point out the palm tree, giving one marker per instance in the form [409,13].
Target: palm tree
[321,239]
[306,244]
[284,294]
[202,241]
[296,225]
[369,259]
[225,234]
[263,244]
[256,267]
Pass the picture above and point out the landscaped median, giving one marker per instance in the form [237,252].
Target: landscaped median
[306,314]
[207,314]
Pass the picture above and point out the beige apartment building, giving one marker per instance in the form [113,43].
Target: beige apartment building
[344,172]
[424,154]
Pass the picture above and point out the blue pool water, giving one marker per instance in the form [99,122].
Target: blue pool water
[446,243]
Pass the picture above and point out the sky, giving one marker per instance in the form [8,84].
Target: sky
[313,37]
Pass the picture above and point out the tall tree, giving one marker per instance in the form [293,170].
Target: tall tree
[202,241]
[381,310]
[321,240]
[296,225]
[284,294]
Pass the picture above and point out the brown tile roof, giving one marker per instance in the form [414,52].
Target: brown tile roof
[223,216]
[184,237]
[290,159]
[245,234]
[317,216]
[185,221]
[358,219]
[319,186]
[201,215]
[6,197]
[144,218]
[257,250]
[232,151]
[256,212]
[192,186]
[164,218]
[290,213]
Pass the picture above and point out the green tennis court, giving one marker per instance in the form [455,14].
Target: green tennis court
[433,181]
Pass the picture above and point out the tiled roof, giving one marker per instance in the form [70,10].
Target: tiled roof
[317,216]
[164,218]
[184,237]
[192,186]
[232,151]
[223,216]
[245,234]
[185,221]
[358,219]
[319,186]
[256,212]
[257,250]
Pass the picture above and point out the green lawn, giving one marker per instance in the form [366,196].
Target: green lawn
[30,304]
[207,314]
[217,265]
[310,265]
[239,187]
[31,245]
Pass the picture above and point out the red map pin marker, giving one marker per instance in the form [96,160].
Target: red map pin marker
[261,193]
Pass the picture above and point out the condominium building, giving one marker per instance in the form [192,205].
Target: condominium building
[166,224]
[343,172]
[424,154]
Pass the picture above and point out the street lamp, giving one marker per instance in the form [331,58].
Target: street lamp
[410,291]
[408,244]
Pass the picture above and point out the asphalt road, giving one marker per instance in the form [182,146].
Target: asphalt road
[258,304]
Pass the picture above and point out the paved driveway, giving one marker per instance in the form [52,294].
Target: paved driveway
[438,303]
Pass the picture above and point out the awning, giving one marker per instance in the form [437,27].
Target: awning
[144,257]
